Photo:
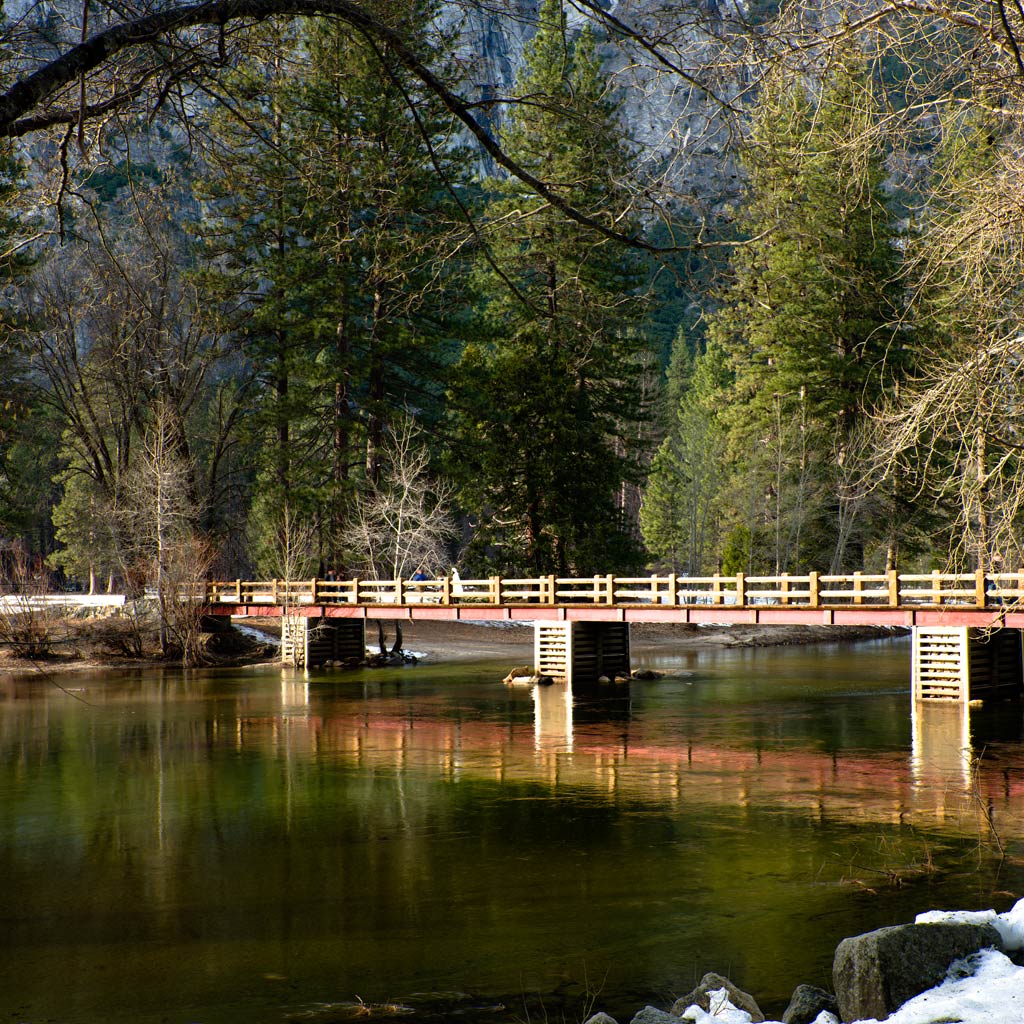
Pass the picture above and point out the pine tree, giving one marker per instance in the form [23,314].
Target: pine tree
[545,404]
[342,234]
[680,512]
[252,200]
[807,322]
[26,460]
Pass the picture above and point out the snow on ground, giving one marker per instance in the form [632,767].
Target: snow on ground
[987,988]
[257,634]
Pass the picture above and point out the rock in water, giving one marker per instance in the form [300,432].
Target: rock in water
[711,982]
[876,973]
[652,1015]
[807,1003]
[647,673]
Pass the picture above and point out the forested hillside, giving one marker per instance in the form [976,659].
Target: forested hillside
[293,287]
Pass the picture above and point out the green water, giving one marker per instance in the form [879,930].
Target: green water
[261,846]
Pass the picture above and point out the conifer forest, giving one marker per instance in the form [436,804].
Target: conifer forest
[378,287]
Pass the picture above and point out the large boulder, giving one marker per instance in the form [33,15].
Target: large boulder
[807,1003]
[876,973]
[711,982]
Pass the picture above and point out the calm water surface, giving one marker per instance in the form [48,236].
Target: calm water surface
[261,846]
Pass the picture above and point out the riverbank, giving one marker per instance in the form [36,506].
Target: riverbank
[112,640]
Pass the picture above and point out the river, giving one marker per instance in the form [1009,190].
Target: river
[263,846]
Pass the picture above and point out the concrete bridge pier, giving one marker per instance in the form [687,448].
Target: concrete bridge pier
[309,641]
[964,663]
[581,652]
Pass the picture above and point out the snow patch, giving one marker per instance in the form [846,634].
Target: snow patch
[993,993]
[1009,925]
[986,988]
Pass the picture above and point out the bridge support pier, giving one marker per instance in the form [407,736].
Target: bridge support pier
[309,641]
[581,651]
[962,663]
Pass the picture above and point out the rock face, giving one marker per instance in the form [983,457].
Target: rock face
[875,973]
[711,982]
[807,1003]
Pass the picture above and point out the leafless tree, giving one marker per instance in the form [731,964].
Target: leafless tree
[158,517]
[29,625]
[188,562]
[401,524]
[116,328]
[954,431]
[291,556]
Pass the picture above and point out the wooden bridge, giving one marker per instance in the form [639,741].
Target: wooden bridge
[966,626]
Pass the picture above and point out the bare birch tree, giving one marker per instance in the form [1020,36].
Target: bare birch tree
[289,554]
[158,515]
[401,524]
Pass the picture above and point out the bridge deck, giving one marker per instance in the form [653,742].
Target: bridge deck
[857,599]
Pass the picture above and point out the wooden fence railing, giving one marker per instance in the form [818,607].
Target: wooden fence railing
[813,590]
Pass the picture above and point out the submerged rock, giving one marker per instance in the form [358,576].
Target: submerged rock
[876,973]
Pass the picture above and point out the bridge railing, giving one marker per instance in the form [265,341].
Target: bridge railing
[813,590]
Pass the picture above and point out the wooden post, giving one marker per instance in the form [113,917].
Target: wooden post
[355,590]
[238,591]
[495,590]
[446,590]
[893,582]
[979,588]
[812,590]
[673,593]
[399,591]
[741,590]
[313,591]
[936,587]
[609,589]
[551,590]
[858,589]
[274,592]
[784,588]
[716,590]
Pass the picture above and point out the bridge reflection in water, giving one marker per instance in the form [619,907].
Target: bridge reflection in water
[579,746]
[190,840]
